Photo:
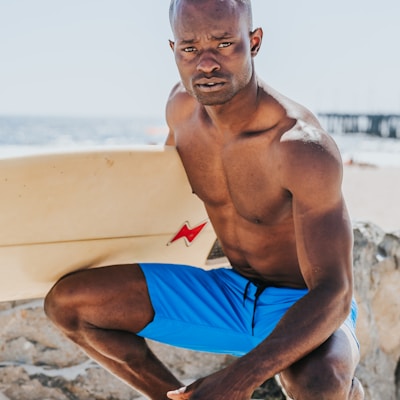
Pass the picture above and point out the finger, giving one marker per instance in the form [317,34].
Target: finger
[178,394]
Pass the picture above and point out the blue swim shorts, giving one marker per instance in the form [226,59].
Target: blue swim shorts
[217,311]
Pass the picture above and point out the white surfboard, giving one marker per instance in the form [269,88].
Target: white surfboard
[65,211]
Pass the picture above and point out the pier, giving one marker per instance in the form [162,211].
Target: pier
[383,125]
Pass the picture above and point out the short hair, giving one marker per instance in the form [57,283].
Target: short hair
[245,4]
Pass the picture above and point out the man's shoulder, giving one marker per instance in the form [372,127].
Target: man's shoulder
[305,132]
[177,90]
[298,124]
[307,135]
[308,154]
[179,95]
[180,103]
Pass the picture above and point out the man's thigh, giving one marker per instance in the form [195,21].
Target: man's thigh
[113,297]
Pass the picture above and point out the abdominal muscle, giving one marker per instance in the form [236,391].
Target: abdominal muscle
[259,251]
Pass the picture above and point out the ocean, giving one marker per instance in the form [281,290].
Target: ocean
[361,148]
[30,135]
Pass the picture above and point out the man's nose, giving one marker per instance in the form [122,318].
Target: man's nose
[208,63]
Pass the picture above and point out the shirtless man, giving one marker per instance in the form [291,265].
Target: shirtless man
[270,179]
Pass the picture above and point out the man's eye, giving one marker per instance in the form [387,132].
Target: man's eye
[189,49]
[224,44]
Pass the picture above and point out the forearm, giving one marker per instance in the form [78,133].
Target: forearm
[298,333]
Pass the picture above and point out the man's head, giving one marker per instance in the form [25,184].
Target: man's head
[214,46]
[245,6]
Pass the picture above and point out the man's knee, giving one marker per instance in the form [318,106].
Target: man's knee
[327,373]
[60,307]
[323,382]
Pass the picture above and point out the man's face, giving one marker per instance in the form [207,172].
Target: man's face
[212,49]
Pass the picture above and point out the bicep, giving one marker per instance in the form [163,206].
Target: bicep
[322,225]
[324,244]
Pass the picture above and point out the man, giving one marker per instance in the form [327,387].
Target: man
[270,179]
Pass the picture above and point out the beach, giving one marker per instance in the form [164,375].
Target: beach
[372,194]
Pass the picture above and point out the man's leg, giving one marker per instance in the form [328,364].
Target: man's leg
[327,373]
[102,310]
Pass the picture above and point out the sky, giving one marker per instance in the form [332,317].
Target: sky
[110,58]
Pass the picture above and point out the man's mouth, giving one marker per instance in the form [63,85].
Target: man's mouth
[210,86]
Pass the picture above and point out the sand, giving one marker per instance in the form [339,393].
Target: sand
[373,195]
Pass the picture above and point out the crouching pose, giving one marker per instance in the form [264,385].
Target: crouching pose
[270,179]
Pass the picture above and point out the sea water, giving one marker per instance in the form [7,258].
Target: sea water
[361,148]
[30,135]
[27,135]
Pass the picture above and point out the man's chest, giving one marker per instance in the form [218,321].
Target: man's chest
[240,177]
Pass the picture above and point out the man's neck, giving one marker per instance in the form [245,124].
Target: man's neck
[236,115]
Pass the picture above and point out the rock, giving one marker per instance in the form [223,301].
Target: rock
[377,288]
[38,363]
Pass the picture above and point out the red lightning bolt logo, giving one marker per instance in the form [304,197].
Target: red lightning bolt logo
[188,233]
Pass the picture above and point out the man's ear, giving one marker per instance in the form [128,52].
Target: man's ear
[171,45]
[255,41]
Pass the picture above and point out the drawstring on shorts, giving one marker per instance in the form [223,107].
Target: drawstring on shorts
[261,286]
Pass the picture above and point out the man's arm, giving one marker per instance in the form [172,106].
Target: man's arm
[312,173]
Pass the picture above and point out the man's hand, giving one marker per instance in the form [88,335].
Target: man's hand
[218,386]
